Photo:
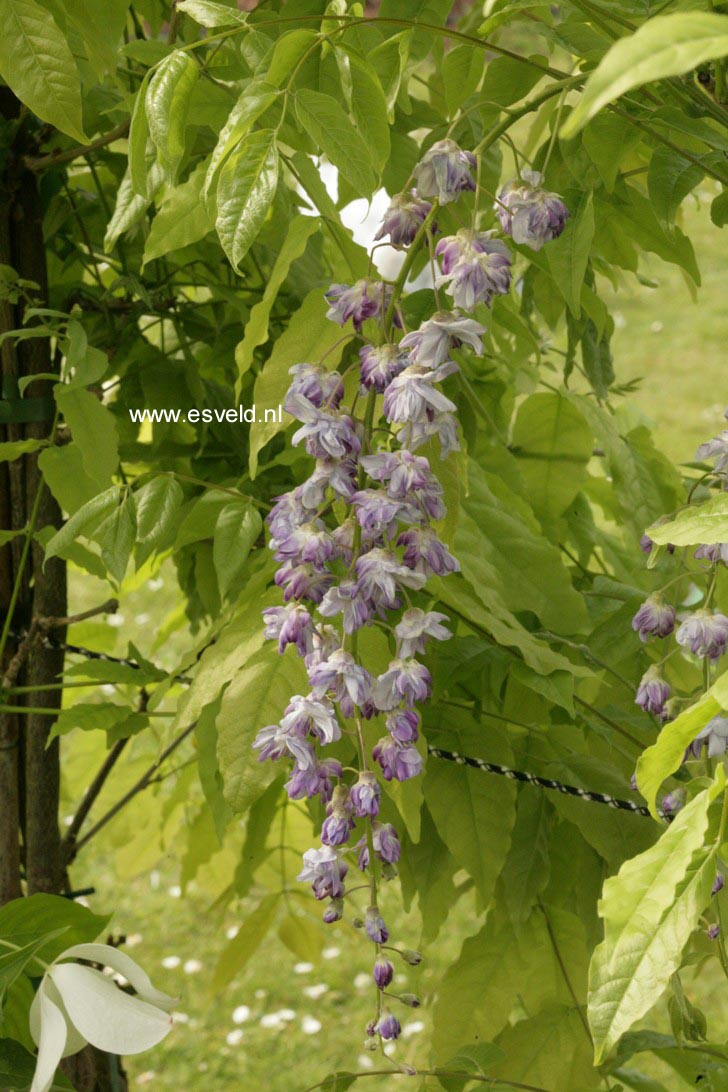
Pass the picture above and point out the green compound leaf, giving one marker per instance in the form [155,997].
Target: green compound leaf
[665,46]
[245,190]
[650,908]
[37,64]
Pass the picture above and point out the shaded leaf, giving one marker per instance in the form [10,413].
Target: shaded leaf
[37,64]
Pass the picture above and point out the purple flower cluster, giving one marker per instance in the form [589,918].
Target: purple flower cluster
[357,541]
[702,633]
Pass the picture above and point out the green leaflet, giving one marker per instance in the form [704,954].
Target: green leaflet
[237,642]
[302,936]
[166,103]
[568,256]
[426,869]
[245,943]
[157,504]
[255,850]
[83,521]
[308,336]
[548,1050]
[324,120]
[670,178]
[500,544]
[15,449]
[182,218]
[667,45]
[256,697]
[553,444]
[209,14]
[389,60]
[474,815]
[94,430]
[609,139]
[666,754]
[37,64]
[290,48]
[254,100]
[245,190]
[705,522]
[116,536]
[503,962]
[256,329]
[483,609]
[238,526]
[462,71]
[138,141]
[61,922]
[649,909]
[369,108]
[102,716]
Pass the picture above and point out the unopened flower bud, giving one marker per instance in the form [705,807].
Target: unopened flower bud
[410,999]
[371,1044]
[357,923]
[655,618]
[718,884]
[376,929]
[389,871]
[388,1026]
[383,972]
[411,957]
[653,691]
[334,912]
[713,931]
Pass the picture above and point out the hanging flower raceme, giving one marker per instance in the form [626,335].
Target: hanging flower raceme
[358,540]
[75,1005]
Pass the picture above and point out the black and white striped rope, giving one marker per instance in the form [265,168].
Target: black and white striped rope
[436,752]
[541,782]
[89,653]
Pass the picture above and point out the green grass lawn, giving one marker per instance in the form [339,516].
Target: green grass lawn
[675,345]
[286,1022]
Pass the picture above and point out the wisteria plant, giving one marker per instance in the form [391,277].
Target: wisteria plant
[308,314]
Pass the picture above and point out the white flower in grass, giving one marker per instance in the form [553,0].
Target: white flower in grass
[76,1005]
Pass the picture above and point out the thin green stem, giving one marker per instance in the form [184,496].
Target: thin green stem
[407,265]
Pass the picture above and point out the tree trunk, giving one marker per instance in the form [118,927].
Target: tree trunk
[30,769]
[34,800]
